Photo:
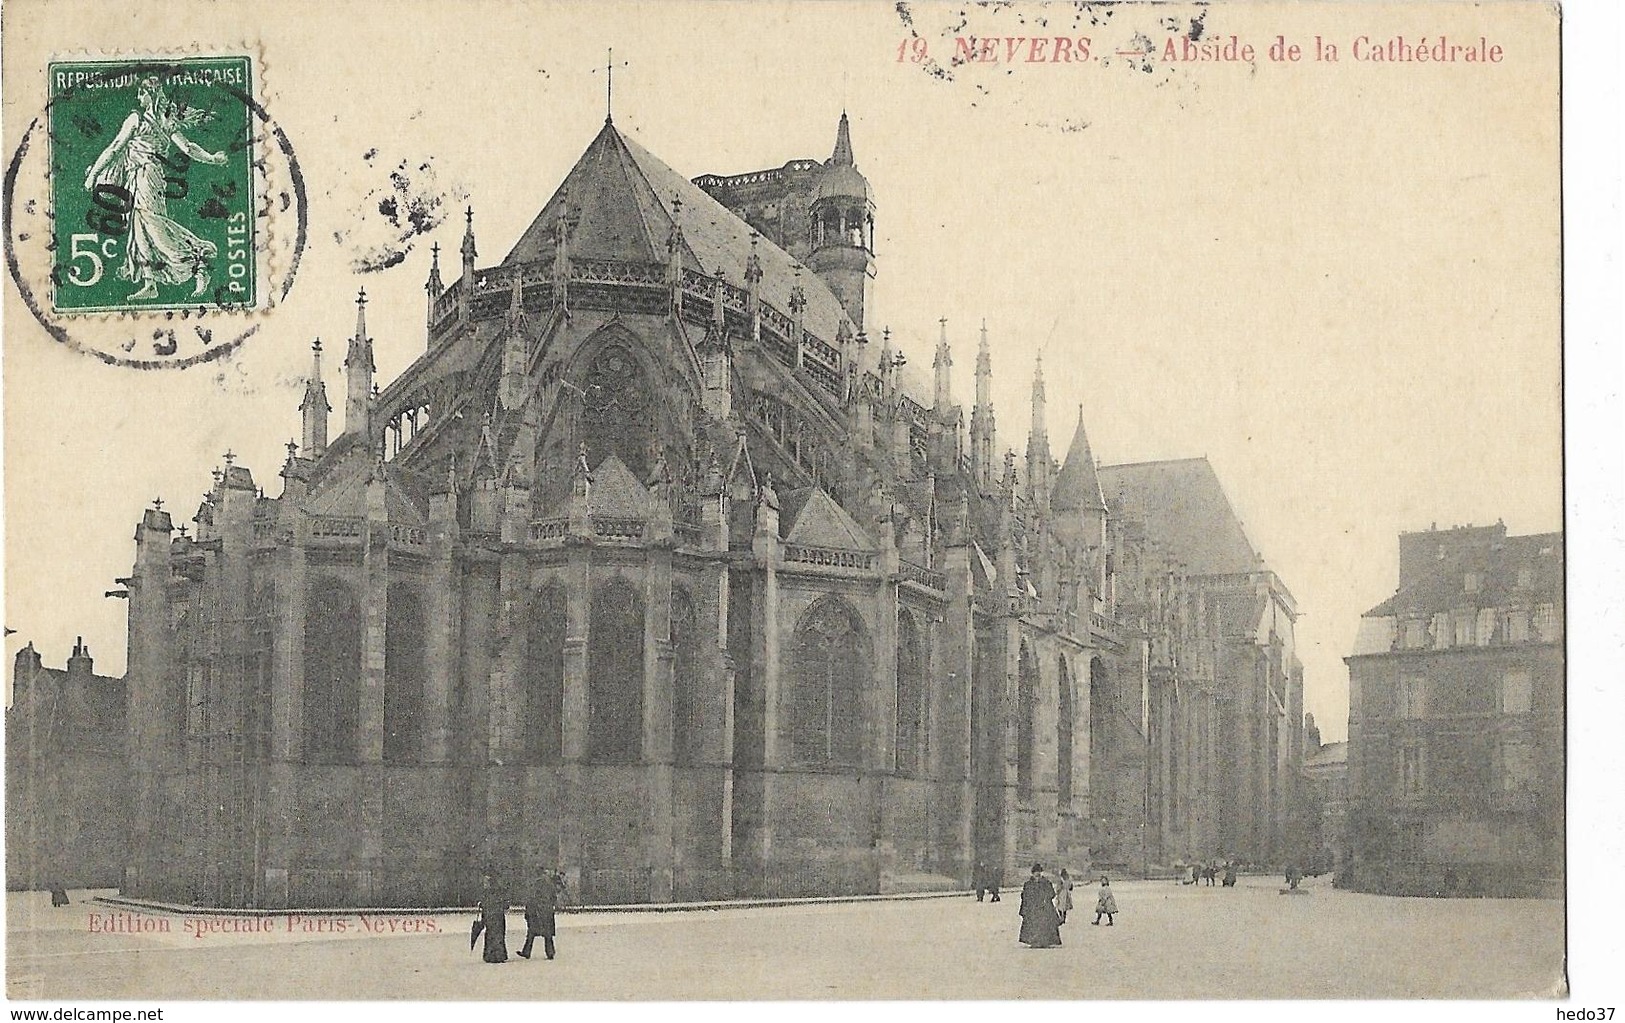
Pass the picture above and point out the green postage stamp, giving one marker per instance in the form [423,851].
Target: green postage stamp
[152,187]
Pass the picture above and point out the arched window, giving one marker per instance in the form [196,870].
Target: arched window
[1100,712]
[258,674]
[332,698]
[1026,712]
[1063,738]
[830,661]
[911,697]
[544,677]
[616,414]
[405,675]
[615,675]
[687,706]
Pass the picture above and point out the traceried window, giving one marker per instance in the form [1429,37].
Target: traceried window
[544,676]
[1026,713]
[259,672]
[405,675]
[831,666]
[911,696]
[616,415]
[332,695]
[1487,618]
[1516,690]
[615,675]
[1063,738]
[687,721]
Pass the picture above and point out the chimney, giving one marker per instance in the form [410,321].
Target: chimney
[80,664]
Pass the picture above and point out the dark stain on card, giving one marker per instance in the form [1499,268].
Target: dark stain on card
[409,203]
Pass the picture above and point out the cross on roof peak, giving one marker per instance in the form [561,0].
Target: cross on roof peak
[157,504]
[609,84]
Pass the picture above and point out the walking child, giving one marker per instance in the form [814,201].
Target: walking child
[1106,902]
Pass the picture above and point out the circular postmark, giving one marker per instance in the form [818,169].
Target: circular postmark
[154,212]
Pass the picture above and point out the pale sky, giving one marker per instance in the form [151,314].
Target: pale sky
[1339,282]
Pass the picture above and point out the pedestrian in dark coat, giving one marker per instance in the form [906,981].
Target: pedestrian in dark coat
[493,923]
[1105,902]
[978,879]
[59,895]
[1040,924]
[546,893]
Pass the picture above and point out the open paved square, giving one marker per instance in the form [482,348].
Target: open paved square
[1169,942]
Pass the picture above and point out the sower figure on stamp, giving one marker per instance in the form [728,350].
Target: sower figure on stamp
[546,894]
[157,250]
[492,922]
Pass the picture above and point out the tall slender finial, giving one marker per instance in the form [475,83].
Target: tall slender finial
[609,86]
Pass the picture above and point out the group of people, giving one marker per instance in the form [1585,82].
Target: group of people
[546,894]
[1209,873]
[1045,904]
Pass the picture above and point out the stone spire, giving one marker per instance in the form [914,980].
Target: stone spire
[314,408]
[942,363]
[358,369]
[1039,462]
[470,252]
[433,285]
[465,289]
[842,157]
[981,417]
[1077,486]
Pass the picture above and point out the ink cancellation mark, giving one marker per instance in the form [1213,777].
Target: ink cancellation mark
[162,180]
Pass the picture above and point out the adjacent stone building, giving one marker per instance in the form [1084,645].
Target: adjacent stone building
[659,566]
[66,794]
[1224,683]
[1456,695]
[1326,782]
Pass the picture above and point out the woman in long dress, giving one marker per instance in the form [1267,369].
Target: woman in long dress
[157,250]
[493,923]
[1040,926]
[1063,895]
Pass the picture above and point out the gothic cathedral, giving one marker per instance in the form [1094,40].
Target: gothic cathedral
[659,567]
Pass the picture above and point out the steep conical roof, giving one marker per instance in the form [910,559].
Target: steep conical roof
[623,202]
[842,156]
[1078,485]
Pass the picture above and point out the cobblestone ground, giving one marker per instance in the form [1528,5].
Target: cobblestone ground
[1169,942]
